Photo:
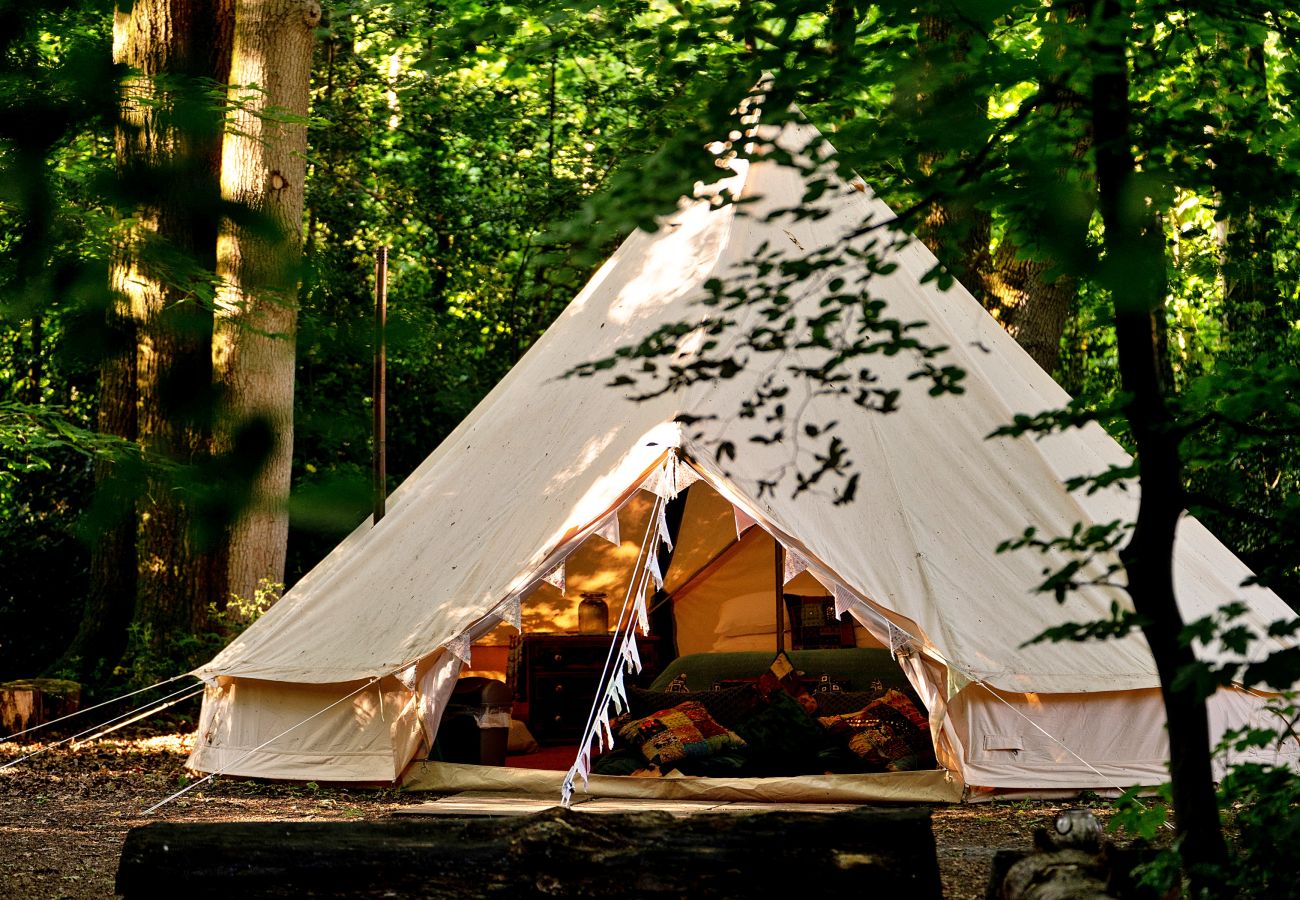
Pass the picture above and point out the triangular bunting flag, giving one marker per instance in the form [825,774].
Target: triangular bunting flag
[617,692]
[459,647]
[653,565]
[744,521]
[844,601]
[609,729]
[608,529]
[407,677]
[662,526]
[899,641]
[794,564]
[642,614]
[630,652]
[566,791]
[685,476]
[555,578]
[511,611]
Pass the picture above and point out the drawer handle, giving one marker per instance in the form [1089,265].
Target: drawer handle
[559,657]
[559,689]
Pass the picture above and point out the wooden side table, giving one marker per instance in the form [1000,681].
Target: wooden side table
[557,675]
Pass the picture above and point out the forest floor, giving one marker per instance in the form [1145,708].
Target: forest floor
[64,815]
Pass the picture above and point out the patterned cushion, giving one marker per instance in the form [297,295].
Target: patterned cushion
[890,733]
[686,731]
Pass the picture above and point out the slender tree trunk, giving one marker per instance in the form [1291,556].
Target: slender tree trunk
[1135,273]
[263,167]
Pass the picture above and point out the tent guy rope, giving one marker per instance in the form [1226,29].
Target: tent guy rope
[96,706]
[259,747]
[116,722]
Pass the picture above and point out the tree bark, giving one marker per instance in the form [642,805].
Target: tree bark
[1135,273]
[956,230]
[148,566]
[263,165]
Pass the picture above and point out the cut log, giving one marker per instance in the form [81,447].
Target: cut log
[35,701]
[558,853]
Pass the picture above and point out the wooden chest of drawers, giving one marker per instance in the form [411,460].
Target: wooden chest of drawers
[556,676]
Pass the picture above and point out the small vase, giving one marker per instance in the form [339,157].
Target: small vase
[593,614]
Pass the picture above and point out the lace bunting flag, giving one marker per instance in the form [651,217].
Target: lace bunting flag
[459,647]
[608,529]
[511,611]
[555,578]
[794,564]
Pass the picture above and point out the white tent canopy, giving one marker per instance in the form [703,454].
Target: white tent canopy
[545,459]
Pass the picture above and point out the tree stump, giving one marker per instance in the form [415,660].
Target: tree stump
[557,853]
[35,701]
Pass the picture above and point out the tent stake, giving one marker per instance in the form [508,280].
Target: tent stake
[380,383]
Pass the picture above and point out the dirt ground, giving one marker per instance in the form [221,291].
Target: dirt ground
[64,815]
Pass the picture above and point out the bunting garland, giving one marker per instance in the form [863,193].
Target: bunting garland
[624,655]
[794,564]
[608,529]
[511,611]
[459,647]
[555,578]
[744,521]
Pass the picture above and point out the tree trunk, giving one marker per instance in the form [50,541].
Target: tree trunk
[956,230]
[263,167]
[1135,274]
[147,566]
[1031,309]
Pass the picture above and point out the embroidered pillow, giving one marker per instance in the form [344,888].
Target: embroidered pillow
[686,731]
[890,733]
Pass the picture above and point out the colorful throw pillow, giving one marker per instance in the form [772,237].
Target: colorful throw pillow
[889,733]
[686,731]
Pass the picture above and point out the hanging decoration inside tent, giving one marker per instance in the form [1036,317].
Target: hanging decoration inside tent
[555,578]
[672,478]
[623,653]
[459,647]
[744,521]
[608,529]
[794,564]
[844,601]
[900,642]
[511,611]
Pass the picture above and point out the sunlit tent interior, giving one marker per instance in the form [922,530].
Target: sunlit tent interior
[560,490]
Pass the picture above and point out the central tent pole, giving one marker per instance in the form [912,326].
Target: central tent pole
[780,595]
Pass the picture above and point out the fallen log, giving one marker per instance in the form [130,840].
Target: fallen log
[557,853]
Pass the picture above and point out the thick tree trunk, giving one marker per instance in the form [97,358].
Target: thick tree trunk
[1134,250]
[147,566]
[1031,309]
[263,167]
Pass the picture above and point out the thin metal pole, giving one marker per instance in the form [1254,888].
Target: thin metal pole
[380,383]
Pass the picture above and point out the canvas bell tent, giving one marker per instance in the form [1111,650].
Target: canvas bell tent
[555,482]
